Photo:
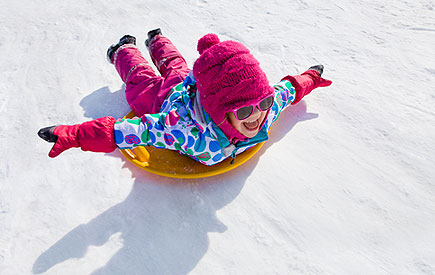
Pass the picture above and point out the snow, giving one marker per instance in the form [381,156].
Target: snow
[346,184]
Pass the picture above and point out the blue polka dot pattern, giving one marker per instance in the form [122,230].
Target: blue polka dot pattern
[217,158]
[119,136]
[152,137]
[190,141]
[214,146]
[200,143]
[159,126]
[179,136]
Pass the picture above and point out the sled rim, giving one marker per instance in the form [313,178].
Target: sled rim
[140,157]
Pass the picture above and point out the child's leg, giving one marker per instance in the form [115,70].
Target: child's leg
[145,91]
[128,60]
[168,60]
[142,84]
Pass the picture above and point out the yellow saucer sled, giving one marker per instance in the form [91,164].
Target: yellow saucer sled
[170,163]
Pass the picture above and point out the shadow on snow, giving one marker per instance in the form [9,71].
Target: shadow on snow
[163,222]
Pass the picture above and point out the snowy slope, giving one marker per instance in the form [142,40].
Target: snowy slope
[346,184]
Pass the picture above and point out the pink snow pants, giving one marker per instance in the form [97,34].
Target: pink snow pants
[145,91]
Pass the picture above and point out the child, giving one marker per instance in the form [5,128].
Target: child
[222,107]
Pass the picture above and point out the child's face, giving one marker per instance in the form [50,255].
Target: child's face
[250,126]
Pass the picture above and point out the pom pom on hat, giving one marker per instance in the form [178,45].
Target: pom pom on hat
[206,42]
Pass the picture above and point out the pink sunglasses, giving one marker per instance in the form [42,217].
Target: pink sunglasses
[246,111]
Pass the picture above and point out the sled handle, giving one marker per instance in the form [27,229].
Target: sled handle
[139,156]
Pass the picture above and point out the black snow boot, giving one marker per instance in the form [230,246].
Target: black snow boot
[151,34]
[126,39]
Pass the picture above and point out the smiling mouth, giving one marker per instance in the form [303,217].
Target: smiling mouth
[252,125]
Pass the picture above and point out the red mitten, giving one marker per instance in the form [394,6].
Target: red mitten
[96,136]
[307,81]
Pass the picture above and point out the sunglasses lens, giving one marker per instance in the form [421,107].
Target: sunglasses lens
[244,112]
[266,103]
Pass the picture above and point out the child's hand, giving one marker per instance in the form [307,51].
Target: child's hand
[318,68]
[63,136]
[96,135]
[308,81]
[318,80]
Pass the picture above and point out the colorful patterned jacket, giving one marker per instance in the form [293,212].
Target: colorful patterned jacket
[183,125]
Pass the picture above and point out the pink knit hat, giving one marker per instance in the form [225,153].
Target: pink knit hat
[228,77]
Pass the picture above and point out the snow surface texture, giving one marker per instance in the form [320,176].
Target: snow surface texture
[346,184]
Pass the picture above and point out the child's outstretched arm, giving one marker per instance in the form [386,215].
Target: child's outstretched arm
[307,81]
[96,136]
[161,130]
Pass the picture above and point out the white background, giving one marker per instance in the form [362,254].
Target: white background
[345,185]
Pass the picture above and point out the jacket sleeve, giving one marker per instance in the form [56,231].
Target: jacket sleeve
[161,130]
[284,96]
[168,131]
